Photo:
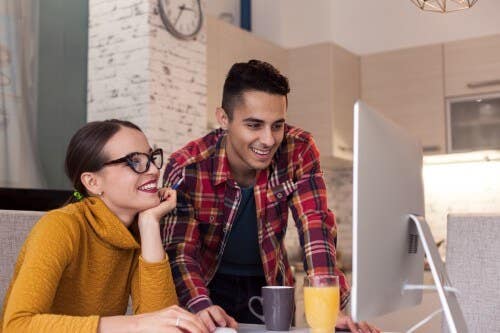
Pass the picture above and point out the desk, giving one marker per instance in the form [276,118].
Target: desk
[399,321]
[254,328]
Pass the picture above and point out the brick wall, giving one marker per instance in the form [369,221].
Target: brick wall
[139,72]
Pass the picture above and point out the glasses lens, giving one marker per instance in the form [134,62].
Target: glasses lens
[157,158]
[139,162]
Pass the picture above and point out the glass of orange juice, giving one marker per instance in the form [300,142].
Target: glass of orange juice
[321,302]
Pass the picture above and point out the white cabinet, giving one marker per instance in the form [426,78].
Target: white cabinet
[226,45]
[474,123]
[407,87]
[325,83]
[472,66]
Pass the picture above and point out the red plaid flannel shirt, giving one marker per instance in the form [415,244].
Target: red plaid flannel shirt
[207,201]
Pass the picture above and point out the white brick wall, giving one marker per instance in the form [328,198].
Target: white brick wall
[139,72]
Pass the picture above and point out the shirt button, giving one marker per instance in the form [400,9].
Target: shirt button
[279,195]
[211,218]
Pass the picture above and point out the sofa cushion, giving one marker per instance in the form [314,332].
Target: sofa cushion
[14,228]
[473,266]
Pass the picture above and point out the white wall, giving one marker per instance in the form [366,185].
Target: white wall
[225,10]
[293,23]
[368,26]
[139,72]
[467,187]
[461,187]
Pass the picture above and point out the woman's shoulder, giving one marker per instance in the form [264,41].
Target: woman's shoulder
[67,219]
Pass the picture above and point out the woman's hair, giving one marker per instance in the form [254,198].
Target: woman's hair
[85,151]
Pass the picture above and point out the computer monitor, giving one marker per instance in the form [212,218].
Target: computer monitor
[390,234]
[387,186]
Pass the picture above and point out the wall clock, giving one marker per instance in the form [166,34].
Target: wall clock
[182,18]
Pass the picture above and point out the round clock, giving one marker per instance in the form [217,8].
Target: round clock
[182,18]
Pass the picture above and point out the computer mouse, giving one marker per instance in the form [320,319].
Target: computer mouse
[225,330]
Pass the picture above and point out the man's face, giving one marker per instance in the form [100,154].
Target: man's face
[255,132]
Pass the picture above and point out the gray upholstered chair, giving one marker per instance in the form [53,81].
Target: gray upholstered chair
[14,227]
[473,266]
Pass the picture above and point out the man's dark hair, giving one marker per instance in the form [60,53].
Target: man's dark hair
[253,75]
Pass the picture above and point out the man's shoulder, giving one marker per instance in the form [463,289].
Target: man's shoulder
[298,147]
[198,150]
[298,141]
[297,135]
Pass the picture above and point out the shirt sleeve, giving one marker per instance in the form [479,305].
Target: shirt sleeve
[47,251]
[152,286]
[315,222]
[182,238]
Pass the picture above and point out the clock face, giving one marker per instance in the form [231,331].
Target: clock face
[182,18]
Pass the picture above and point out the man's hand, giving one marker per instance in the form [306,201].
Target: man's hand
[345,322]
[214,316]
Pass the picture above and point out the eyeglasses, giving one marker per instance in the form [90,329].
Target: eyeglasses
[140,162]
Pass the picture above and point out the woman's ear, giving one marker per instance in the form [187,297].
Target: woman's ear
[91,182]
[222,117]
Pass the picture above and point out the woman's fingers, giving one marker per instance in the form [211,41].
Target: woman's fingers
[185,320]
[187,324]
[168,198]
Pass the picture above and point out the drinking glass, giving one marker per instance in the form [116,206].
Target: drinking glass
[321,302]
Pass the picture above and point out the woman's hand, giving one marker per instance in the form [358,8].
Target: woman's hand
[149,226]
[345,322]
[171,319]
[168,320]
[168,201]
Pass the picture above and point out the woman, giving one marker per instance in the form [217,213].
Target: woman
[80,262]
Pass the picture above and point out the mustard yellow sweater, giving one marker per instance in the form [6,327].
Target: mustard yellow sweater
[79,263]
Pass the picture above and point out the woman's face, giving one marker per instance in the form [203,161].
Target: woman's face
[126,192]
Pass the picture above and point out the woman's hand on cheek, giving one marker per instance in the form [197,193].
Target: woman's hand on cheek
[149,226]
[168,201]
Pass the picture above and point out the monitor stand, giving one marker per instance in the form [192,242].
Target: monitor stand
[447,294]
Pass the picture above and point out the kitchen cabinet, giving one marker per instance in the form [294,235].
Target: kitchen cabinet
[472,66]
[407,86]
[325,83]
[226,45]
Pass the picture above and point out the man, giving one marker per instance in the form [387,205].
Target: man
[225,240]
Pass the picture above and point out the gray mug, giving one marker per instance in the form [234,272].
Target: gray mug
[278,305]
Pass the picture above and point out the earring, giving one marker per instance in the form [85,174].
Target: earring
[100,194]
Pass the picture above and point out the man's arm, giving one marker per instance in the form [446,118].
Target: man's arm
[181,240]
[315,222]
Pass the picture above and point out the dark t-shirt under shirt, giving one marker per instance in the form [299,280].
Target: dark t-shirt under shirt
[241,255]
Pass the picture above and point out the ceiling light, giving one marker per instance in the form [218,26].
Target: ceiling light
[443,6]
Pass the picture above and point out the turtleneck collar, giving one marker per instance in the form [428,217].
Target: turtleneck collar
[106,224]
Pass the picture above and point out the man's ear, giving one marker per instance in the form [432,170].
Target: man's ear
[91,182]
[222,117]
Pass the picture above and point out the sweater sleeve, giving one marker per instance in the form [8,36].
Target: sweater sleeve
[47,251]
[152,286]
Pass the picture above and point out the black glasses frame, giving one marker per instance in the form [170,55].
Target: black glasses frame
[128,160]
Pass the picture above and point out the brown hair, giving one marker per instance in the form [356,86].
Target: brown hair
[85,150]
